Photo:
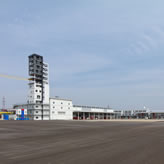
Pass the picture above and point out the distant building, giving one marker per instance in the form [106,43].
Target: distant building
[41,107]
[94,113]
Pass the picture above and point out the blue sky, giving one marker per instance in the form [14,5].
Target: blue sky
[100,52]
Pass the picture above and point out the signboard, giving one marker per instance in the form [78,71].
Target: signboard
[19,111]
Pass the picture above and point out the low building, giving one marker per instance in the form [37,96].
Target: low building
[132,114]
[61,109]
[156,115]
[94,113]
[35,111]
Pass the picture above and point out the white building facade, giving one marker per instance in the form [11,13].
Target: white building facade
[94,113]
[61,109]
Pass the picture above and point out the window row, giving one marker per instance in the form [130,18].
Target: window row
[38,91]
[61,103]
[61,107]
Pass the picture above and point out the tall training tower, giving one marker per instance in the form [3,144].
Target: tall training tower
[38,87]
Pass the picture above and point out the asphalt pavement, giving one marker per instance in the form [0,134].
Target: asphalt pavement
[81,142]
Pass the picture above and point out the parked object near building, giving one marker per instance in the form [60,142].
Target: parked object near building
[8,115]
[5,116]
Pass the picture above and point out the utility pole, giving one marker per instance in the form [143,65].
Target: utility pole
[3,103]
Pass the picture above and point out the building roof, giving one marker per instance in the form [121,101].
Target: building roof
[93,107]
[58,98]
[34,54]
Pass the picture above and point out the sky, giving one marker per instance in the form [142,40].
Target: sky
[100,52]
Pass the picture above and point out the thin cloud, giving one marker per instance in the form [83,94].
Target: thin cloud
[144,46]
[149,40]
[159,31]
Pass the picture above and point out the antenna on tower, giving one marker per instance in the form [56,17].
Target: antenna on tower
[3,102]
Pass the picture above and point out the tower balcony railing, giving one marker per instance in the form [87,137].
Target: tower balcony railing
[45,69]
[44,73]
[31,67]
[45,65]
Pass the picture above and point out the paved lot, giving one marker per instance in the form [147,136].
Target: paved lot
[78,142]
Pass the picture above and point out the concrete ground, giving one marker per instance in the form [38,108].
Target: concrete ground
[78,142]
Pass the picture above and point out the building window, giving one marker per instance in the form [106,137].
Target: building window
[53,102]
[61,107]
[53,107]
[68,107]
[36,111]
[61,103]
[53,112]
[38,102]
[38,97]
[36,117]
[36,90]
[68,103]
[61,113]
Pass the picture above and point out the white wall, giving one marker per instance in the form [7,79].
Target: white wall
[61,109]
[34,91]
[46,94]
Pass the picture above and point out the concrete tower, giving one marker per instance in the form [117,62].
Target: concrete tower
[38,87]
